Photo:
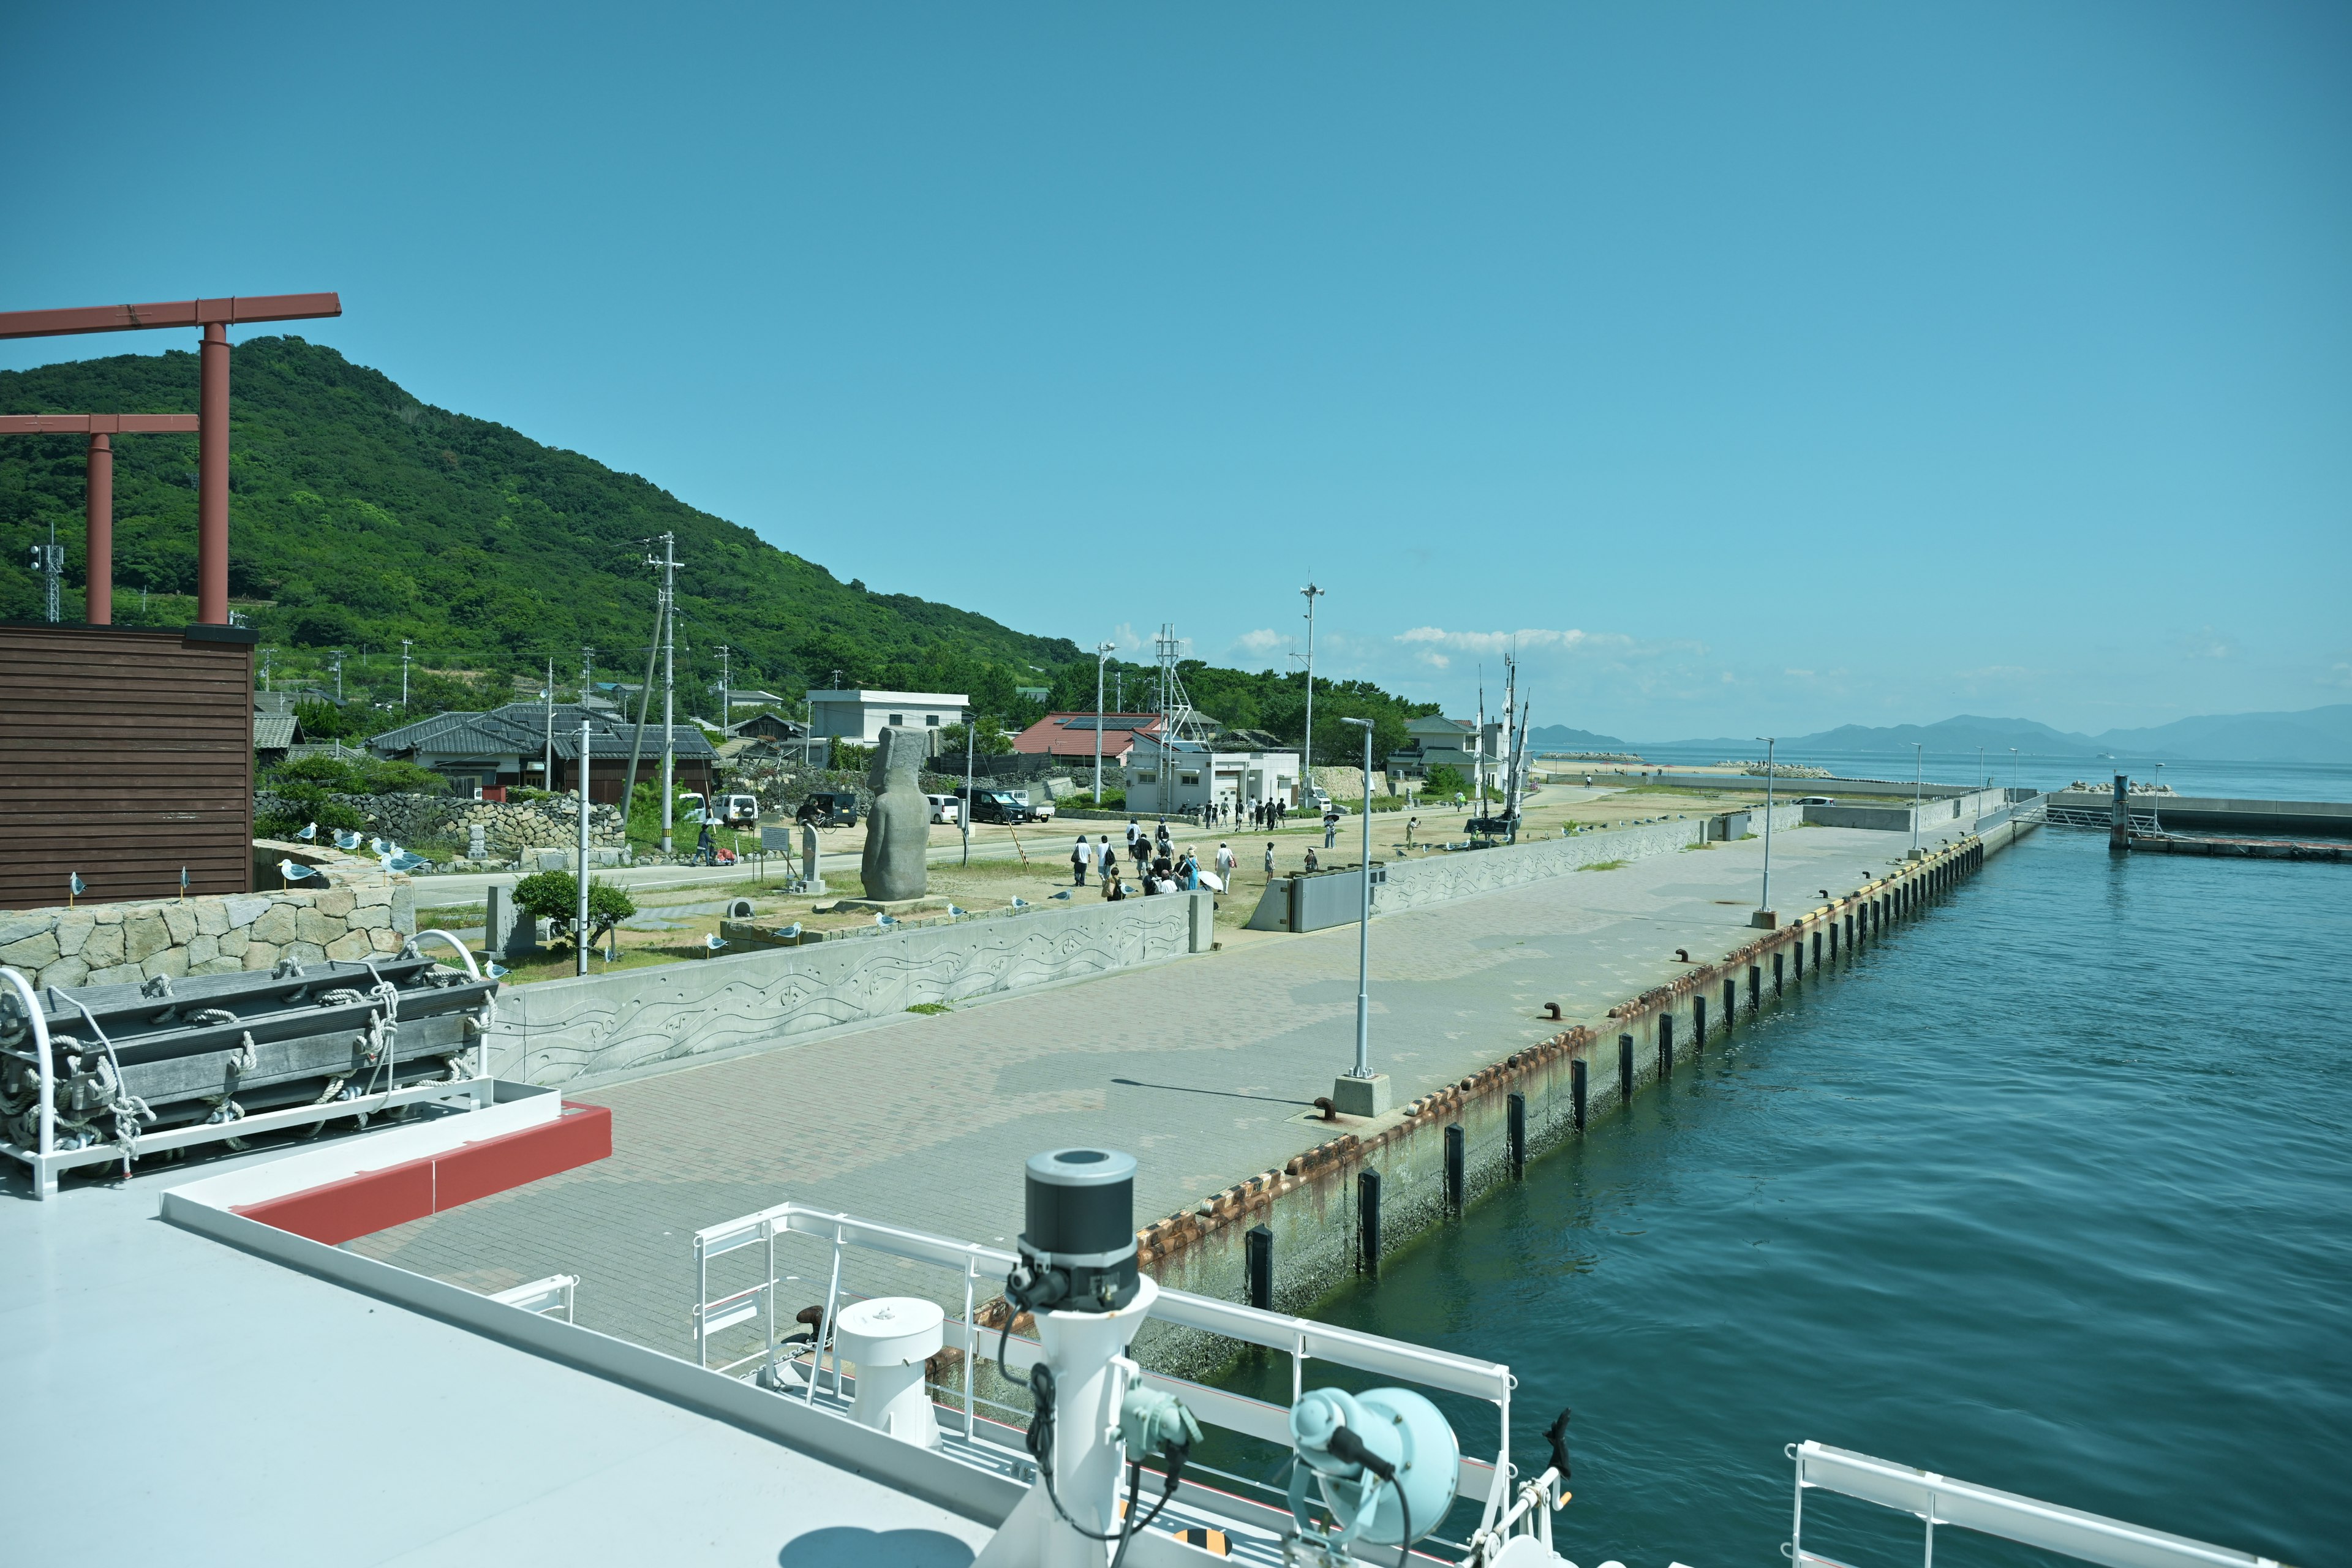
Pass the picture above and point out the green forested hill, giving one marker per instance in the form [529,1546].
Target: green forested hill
[360,516]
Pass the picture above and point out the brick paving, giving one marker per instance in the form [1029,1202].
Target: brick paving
[1204,1068]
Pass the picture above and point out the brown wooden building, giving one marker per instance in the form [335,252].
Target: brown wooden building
[126,754]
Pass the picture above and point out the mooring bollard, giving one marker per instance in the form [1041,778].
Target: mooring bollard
[1665,1045]
[1698,1024]
[1624,1071]
[1730,1006]
[1779,971]
[1368,1222]
[1453,1167]
[1257,1243]
[1515,1122]
[1576,1091]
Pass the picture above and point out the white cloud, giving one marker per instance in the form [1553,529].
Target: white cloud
[2206,643]
[1434,659]
[1263,641]
[1499,643]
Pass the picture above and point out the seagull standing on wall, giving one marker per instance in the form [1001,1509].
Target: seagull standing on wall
[292,872]
[308,834]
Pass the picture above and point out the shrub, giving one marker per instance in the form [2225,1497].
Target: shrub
[554,897]
[1446,779]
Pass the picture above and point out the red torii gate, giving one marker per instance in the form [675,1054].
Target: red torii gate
[212,318]
[100,502]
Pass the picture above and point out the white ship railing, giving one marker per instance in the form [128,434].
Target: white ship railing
[546,1296]
[1939,1499]
[1487,1482]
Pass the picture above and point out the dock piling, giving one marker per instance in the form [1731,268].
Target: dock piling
[1731,1006]
[1368,1222]
[1624,1071]
[1698,1026]
[1453,1167]
[1665,1045]
[1755,987]
[1258,1245]
[1576,1073]
[1779,971]
[1515,1121]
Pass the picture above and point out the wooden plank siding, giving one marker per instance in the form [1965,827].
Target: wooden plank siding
[125,754]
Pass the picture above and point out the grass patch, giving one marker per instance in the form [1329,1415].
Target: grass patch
[930,1009]
[455,915]
[1606,866]
[1688,848]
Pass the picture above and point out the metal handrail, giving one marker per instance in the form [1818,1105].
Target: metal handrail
[1939,1499]
[1301,1338]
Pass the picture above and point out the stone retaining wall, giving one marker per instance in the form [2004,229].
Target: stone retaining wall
[510,826]
[598,1026]
[361,910]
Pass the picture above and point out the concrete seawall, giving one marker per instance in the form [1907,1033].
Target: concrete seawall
[1440,878]
[583,1030]
[1310,1205]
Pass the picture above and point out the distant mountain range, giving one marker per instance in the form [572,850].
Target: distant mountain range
[2314,735]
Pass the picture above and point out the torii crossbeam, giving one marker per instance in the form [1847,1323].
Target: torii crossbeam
[101,429]
[212,318]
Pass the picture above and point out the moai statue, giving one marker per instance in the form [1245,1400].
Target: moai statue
[898,833]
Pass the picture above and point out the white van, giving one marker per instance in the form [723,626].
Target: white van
[945,808]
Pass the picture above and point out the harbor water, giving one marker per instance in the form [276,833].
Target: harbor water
[2051,1191]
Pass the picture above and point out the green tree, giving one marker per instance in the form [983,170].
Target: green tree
[554,897]
[1446,779]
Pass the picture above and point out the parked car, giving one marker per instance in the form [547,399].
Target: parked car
[996,805]
[1039,810]
[739,811]
[828,808]
[945,808]
[1814,800]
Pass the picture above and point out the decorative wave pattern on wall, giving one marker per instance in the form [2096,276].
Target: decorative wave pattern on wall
[565,1031]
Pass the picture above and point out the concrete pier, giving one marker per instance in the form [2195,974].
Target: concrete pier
[1205,1068]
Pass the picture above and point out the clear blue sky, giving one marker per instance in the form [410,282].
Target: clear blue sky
[1759,367]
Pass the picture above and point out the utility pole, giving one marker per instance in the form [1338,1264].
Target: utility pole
[667,562]
[963,817]
[547,699]
[264,664]
[1103,650]
[726,687]
[405,643]
[1306,751]
[339,673]
[587,676]
[2012,770]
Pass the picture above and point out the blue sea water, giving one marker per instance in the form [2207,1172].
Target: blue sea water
[2265,781]
[2051,1191]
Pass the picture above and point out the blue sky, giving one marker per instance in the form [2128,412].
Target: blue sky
[1753,367]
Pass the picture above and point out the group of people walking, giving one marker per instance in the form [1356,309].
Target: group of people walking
[1265,816]
[1160,867]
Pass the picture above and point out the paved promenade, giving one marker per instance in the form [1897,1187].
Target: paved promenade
[1204,1069]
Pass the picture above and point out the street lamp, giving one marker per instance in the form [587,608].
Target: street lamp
[1918,773]
[1103,650]
[2012,770]
[1361,1091]
[1764,917]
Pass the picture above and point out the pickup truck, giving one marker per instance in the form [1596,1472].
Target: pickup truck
[1039,810]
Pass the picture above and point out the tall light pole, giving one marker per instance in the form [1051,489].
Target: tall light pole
[2012,770]
[580,933]
[963,817]
[547,702]
[405,643]
[1306,751]
[338,667]
[1764,916]
[667,562]
[1103,650]
[1919,775]
[1363,1092]
[1981,779]
[726,687]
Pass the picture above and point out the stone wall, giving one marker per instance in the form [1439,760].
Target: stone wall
[596,1027]
[361,910]
[510,826]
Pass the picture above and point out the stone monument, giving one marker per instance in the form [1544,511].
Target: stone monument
[899,831]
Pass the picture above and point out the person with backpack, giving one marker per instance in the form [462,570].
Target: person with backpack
[1081,857]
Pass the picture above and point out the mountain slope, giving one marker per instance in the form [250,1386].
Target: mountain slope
[360,516]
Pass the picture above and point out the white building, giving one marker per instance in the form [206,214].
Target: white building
[1437,742]
[861,715]
[1200,777]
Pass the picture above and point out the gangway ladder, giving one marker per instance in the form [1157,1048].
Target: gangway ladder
[1939,1499]
[545,1297]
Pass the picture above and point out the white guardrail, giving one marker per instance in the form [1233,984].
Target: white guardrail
[1487,1482]
[1939,1499]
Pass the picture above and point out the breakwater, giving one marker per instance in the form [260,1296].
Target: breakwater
[1338,1209]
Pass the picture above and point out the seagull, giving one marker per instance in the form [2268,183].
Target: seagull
[75,885]
[378,847]
[405,862]
[883,919]
[494,971]
[1064,894]
[309,834]
[713,943]
[1019,903]
[958,913]
[291,871]
[791,931]
[347,841]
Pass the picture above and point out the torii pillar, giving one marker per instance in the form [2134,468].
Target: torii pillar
[212,318]
[98,507]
